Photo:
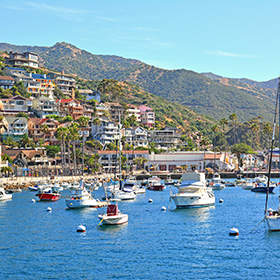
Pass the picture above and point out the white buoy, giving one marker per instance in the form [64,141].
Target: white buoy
[33,200]
[163,208]
[150,200]
[49,209]
[221,201]
[81,228]
[234,232]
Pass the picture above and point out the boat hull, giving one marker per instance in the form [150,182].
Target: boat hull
[6,197]
[81,203]
[113,220]
[262,189]
[156,187]
[48,196]
[273,223]
[185,201]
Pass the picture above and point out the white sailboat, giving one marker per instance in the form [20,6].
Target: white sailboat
[272,217]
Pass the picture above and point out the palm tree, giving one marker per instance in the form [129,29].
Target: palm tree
[26,142]
[96,122]
[45,129]
[223,122]
[60,135]
[10,142]
[83,121]
[74,131]
[204,142]
[68,138]
[233,117]
[214,128]
[254,128]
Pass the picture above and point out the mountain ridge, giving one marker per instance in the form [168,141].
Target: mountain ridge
[205,95]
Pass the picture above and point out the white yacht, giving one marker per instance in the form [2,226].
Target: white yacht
[193,192]
[4,195]
[216,182]
[81,198]
[113,216]
[248,184]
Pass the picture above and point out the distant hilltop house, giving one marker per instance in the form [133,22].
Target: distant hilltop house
[28,59]
[90,94]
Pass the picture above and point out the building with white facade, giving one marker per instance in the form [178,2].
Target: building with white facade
[45,106]
[28,59]
[189,161]
[18,126]
[106,132]
[16,104]
[66,83]
[109,159]
[137,137]
[165,139]
[147,115]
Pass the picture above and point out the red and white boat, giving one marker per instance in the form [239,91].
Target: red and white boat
[48,194]
[155,184]
[113,216]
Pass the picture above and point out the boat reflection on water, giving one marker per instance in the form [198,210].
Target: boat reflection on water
[198,214]
[113,229]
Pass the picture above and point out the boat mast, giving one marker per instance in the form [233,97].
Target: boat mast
[271,149]
[120,150]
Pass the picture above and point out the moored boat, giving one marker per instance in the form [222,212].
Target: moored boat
[4,195]
[193,192]
[81,198]
[48,194]
[113,216]
[155,184]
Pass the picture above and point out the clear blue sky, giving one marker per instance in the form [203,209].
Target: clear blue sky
[237,38]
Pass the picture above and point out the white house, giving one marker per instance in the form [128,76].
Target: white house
[16,104]
[18,126]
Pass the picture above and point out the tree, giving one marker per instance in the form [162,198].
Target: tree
[26,142]
[10,142]
[83,121]
[204,142]
[74,130]
[233,118]
[111,88]
[223,122]
[60,135]
[45,129]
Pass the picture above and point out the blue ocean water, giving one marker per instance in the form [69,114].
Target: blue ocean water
[176,244]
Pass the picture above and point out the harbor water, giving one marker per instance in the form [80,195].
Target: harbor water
[154,244]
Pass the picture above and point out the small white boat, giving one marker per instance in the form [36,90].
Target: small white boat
[193,192]
[4,195]
[247,185]
[81,198]
[113,216]
[65,185]
[121,195]
[57,187]
[216,182]
[75,185]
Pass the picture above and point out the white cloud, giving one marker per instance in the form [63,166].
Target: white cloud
[227,54]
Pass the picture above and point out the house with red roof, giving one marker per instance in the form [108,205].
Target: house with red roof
[70,107]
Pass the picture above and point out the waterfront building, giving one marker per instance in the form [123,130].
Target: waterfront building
[17,127]
[66,83]
[28,59]
[109,159]
[189,161]
[6,82]
[165,139]
[90,94]
[16,104]
[44,106]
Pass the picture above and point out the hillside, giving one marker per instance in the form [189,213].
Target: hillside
[206,96]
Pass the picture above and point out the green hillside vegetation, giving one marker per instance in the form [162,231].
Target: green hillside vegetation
[206,96]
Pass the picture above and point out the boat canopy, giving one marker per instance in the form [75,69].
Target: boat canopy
[112,209]
[193,177]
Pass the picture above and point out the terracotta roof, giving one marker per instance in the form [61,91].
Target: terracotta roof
[6,78]
[125,152]
[31,153]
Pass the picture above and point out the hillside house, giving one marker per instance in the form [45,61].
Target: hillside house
[28,59]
